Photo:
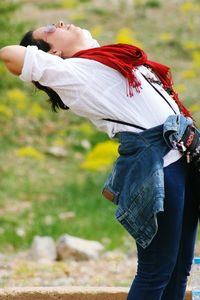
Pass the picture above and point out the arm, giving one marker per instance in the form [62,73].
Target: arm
[33,64]
[13,57]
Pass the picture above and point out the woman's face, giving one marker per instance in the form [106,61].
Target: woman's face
[65,40]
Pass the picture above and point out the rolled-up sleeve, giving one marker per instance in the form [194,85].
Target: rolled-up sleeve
[34,64]
[50,70]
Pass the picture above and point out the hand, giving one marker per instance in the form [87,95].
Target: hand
[190,145]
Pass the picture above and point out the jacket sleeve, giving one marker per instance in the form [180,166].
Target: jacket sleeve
[174,128]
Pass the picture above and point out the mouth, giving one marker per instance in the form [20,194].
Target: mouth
[72,27]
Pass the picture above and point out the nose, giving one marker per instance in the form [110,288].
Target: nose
[60,24]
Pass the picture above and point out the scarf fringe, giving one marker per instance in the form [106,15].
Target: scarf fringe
[125,58]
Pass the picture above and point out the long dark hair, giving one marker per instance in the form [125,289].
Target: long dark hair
[55,100]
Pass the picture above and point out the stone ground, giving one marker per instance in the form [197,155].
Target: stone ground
[111,269]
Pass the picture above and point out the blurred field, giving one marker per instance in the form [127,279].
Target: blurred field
[48,193]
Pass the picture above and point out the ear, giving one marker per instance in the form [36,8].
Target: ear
[56,52]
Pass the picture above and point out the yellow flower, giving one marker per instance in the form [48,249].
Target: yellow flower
[196,59]
[69,3]
[36,110]
[194,108]
[101,156]
[189,74]
[190,45]
[187,7]
[18,97]
[126,36]
[29,152]
[165,36]
[180,88]
[6,111]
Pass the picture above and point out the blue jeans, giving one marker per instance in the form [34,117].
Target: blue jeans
[164,265]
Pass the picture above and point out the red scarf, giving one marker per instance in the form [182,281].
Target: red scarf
[124,58]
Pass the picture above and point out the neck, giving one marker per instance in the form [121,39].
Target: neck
[75,50]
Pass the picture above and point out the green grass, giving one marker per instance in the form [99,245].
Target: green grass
[35,193]
[47,196]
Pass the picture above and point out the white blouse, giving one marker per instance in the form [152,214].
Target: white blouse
[95,91]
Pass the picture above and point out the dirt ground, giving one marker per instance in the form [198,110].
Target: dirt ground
[111,269]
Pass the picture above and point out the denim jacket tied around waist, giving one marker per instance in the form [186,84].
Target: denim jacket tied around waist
[136,183]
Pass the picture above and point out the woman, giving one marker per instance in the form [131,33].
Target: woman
[129,97]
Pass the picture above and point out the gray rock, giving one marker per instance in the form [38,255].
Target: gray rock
[69,246]
[57,151]
[43,249]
